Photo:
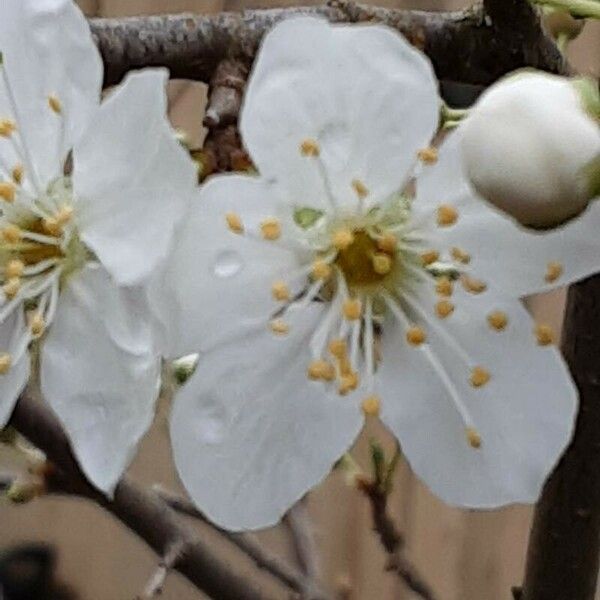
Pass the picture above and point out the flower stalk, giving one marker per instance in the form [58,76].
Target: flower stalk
[586,9]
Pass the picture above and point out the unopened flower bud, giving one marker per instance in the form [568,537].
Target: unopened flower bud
[531,147]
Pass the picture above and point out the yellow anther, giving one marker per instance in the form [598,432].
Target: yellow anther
[234,222]
[338,348]
[17,174]
[544,335]
[52,226]
[446,215]
[281,291]
[371,406]
[348,383]
[279,327]
[7,127]
[11,234]
[475,286]
[5,363]
[321,370]
[342,239]
[429,257]
[444,286]
[388,242]
[553,271]
[416,336]
[321,269]
[310,147]
[352,309]
[459,255]
[14,268]
[429,155]
[498,320]
[271,229]
[8,191]
[444,308]
[64,214]
[479,377]
[55,104]
[360,188]
[382,263]
[473,437]
[12,287]
[37,325]
[345,366]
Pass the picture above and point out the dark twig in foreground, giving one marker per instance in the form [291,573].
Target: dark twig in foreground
[246,542]
[564,547]
[466,46]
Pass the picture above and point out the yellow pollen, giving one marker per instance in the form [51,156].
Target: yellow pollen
[37,325]
[338,348]
[459,255]
[446,215]
[55,104]
[429,155]
[429,257]
[279,327]
[388,243]
[479,377]
[498,320]
[371,406]
[7,127]
[281,291]
[342,239]
[12,287]
[8,191]
[5,363]
[444,308]
[321,370]
[473,438]
[271,229]
[310,147]
[382,263]
[234,222]
[444,286]
[64,215]
[52,226]
[553,271]
[14,268]
[416,336]
[321,269]
[352,309]
[360,188]
[475,286]
[348,383]
[17,174]
[544,334]
[11,234]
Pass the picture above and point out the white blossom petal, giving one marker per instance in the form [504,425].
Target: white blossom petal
[363,93]
[12,331]
[516,260]
[524,415]
[47,50]
[251,435]
[100,374]
[132,179]
[217,283]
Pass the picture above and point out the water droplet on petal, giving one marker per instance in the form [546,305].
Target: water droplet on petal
[227,264]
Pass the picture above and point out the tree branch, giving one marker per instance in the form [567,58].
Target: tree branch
[564,546]
[144,512]
[466,46]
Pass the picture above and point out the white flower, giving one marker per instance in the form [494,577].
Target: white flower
[321,287]
[90,196]
[529,145]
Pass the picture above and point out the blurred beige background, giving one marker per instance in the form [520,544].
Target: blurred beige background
[464,555]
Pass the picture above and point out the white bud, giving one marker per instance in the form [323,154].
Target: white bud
[531,148]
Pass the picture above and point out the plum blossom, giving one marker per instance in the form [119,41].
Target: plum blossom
[326,290]
[88,210]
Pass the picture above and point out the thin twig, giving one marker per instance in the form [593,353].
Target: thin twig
[246,542]
[172,556]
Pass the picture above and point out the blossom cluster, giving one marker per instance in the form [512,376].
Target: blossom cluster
[371,268]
